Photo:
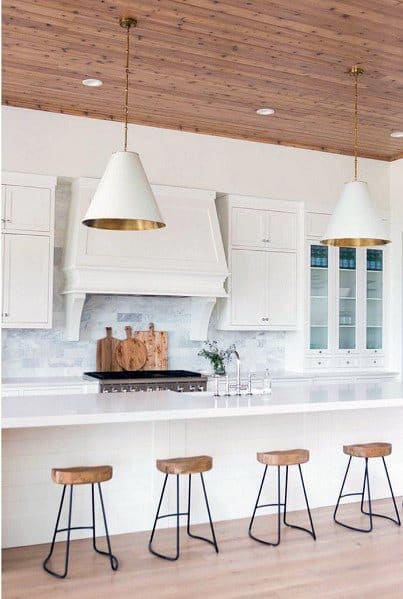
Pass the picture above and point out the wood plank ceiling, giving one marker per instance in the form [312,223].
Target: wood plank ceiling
[207,65]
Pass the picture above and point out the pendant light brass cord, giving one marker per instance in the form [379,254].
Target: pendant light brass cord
[356,71]
[355,127]
[127,84]
[127,22]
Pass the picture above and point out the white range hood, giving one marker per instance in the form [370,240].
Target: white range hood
[186,258]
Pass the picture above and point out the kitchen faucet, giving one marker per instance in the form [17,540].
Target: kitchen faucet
[238,370]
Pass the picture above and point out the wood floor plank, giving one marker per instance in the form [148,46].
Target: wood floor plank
[340,564]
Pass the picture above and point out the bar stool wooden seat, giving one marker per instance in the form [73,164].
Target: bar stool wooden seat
[290,457]
[69,477]
[177,467]
[366,451]
[194,465]
[278,459]
[81,475]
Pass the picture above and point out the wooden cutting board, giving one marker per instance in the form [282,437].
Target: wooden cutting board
[106,353]
[131,353]
[156,343]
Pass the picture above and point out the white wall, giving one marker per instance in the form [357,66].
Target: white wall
[70,146]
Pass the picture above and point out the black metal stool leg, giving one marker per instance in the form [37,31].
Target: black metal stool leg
[312,531]
[214,541]
[158,517]
[56,531]
[278,505]
[112,558]
[366,485]
[397,521]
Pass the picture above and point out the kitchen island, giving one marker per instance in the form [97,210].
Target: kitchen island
[130,430]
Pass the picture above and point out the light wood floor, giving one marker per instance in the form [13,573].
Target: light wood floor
[340,564]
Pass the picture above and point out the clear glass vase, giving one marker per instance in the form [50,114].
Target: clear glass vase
[219,368]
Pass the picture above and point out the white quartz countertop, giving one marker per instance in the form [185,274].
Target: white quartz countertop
[47,381]
[94,408]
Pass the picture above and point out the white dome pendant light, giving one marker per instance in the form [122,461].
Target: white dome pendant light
[124,200]
[355,221]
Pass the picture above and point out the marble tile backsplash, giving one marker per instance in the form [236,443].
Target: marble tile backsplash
[33,352]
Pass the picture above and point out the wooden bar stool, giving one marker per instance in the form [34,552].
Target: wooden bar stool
[83,475]
[291,457]
[366,451]
[180,466]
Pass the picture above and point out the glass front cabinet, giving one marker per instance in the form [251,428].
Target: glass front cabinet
[345,308]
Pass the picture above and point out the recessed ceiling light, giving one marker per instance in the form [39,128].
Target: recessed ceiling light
[396,134]
[92,82]
[265,111]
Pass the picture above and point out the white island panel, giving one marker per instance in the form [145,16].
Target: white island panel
[151,426]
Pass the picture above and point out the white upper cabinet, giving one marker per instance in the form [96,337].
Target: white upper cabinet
[264,229]
[27,244]
[26,295]
[248,287]
[26,209]
[261,238]
[282,290]
[249,228]
[281,230]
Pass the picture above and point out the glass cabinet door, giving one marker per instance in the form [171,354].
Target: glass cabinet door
[319,297]
[374,295]
[347,298]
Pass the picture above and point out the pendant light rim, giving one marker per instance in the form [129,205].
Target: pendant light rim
[354,242]
[123,224]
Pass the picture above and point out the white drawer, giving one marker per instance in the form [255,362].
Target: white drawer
[374,361]
[318,362]
[347,362]
[318,353]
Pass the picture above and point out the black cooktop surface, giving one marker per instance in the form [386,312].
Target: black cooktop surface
[143,374]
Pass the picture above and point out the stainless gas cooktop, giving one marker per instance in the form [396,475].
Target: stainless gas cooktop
[149,380]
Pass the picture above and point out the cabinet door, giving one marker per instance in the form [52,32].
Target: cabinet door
[374,300]
[348,299]
[248,288]
[249,228]
[3,207]
[27,209]
[26,281]
[282,289]
[282,230]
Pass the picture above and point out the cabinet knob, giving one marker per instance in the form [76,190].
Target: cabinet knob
[265,318]
[6,220]
[5,314]
[266,240]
